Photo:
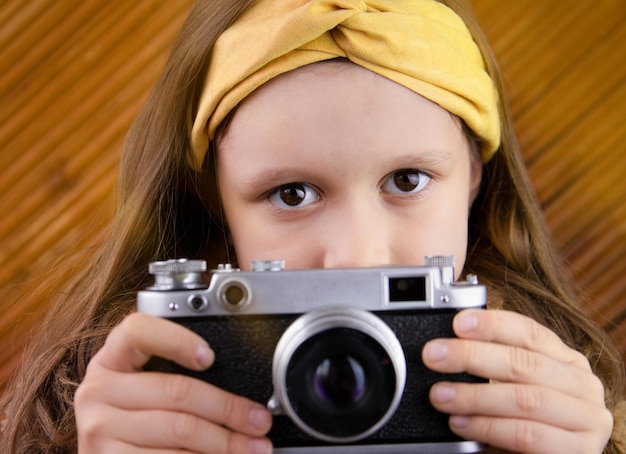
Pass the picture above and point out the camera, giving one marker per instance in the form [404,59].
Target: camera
[335,354]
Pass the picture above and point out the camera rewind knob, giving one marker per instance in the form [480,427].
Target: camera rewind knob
[445,263]
[177,274]
[268,265]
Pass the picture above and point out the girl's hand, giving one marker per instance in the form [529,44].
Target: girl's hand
[545,398]
[120,408]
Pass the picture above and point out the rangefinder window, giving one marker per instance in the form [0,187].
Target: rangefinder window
[407,289]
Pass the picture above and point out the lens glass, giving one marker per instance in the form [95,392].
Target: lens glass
[340,382]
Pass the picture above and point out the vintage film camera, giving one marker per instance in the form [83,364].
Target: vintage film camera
[335,353]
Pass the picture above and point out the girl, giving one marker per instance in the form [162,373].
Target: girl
[339,134]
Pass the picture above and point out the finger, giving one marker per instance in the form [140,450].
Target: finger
[175,431]
[529,437]
[119,447]
[511,364]
[133,342]
[510,328]
[93,441]
[184,431]
[124,448]
[519,402]
[178,393]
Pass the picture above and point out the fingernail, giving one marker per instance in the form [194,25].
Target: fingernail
[260,418]
[260,446]
[437,350]
[466,321]
[443,393]
[459,422]
[204,356]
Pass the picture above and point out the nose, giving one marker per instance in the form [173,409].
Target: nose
[359,238]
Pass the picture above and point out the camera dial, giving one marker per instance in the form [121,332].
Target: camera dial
[177,274]
[268,265]
[445,263]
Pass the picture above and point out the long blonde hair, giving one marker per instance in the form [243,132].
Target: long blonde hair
[162,213]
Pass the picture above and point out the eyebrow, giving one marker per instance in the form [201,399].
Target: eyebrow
[269,176]
[424,158]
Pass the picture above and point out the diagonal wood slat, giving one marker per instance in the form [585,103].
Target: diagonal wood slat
[73,77]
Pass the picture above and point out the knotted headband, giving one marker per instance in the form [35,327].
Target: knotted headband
[420,44]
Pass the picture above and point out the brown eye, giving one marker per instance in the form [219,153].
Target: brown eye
[406,181]
[293,195]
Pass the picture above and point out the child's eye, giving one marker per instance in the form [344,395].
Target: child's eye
[406,182]
[293,195]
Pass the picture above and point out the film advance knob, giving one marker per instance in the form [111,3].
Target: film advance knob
[177,266]
[177,274]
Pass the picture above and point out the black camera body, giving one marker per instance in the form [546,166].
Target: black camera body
[335,354]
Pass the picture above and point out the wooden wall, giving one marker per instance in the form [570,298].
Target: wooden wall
[73,74]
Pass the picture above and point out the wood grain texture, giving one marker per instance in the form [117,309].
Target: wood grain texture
[73,75]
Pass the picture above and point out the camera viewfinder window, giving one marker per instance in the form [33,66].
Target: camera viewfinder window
[407,289]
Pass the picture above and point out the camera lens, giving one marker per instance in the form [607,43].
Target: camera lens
[339,373]
[339,380]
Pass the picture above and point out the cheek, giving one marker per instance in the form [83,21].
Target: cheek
[433,237]
[246,240]
[440,228]
[255,238]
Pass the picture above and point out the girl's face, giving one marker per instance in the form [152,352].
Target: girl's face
[333,166]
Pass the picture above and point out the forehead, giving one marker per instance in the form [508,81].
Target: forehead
[340,100]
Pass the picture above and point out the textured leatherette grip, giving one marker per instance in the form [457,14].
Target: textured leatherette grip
[244,347]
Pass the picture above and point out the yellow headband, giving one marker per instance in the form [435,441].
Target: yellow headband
[420,44]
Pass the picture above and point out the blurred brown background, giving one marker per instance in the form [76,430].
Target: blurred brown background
[73,73]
